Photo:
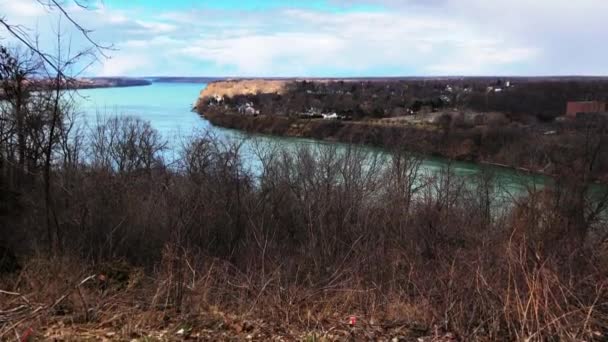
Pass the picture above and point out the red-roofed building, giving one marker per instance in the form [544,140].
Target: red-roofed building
[576,107]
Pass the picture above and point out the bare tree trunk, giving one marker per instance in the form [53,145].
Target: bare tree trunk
[20,127]
[54,239]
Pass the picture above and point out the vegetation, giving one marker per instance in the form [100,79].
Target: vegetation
[522,99]
[512,123]
[101,234]
[104,229]
[526,148]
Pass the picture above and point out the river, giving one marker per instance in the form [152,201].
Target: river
[167,106]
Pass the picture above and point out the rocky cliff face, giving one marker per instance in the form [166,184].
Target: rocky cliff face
[242,87]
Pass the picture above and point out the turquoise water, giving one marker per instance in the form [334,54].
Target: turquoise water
[167,106]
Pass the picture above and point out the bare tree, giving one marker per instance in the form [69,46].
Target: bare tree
[21,33]
[17,66]
[55,69]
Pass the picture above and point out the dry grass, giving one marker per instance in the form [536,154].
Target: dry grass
[243,87]
[213,307]
[61,299]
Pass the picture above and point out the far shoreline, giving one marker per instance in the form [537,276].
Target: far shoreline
[251,105]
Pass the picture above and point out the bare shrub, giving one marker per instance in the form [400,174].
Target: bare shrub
[125,144]
[318,231]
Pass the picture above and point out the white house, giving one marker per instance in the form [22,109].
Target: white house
[332,116]
[248,109]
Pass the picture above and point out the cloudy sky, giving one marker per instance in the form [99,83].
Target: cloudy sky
[334,37]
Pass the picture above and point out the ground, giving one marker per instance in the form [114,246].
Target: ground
[222,327]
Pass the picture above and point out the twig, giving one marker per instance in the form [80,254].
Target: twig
[42,309]
[10,293]
[84,304]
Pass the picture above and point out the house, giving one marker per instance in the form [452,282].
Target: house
[311,113]
[332,116]
[574,108]
[215,100]
[248,109]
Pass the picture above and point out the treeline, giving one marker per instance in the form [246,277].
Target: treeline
[543,100]
[522,99]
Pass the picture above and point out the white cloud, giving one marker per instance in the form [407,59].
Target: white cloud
[359,42]
[563,34]
[21,8]
[156,27]
[410,37]
[123,64]
[482,60]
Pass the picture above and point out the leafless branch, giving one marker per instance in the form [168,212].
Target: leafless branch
[86,33]
[17,32]
[20,33]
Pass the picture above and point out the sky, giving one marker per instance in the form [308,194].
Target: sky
[331,38]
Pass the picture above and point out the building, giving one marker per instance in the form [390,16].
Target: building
[332,116]
[580,107]
[248,109]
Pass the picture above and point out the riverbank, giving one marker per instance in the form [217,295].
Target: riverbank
[440,118]
[80,84]
[107,82]
[461,145]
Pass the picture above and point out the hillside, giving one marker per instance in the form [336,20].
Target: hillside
[230,88]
